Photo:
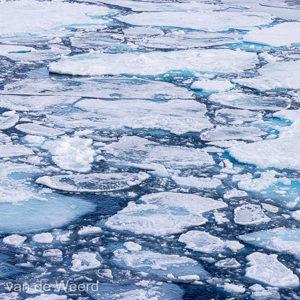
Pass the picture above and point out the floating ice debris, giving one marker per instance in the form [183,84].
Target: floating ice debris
[250,214]
[36,129]
[163,213]
[166,266]
[275,75]
[144,290]
[120,88]
[200,20]
[197,182]
[93,182]
[230,263]
[43,238]
[8,119]
[14,150]
[133,150]
[71,153]
[214,85]
[222,133]
[207,243]
[279,239]
[15,240]
[234,193]
[27,18]
[233,288]
[85,260]
[53,253]
[250,101]
[89,229]
[258,292]
[131,246]
[267,269]
[283,34]
[156,63]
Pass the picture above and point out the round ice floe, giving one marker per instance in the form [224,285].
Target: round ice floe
[94,182]
[14,240]
[36,129]
[43,238]
[167,266]
[163,213]
[156,63]
[204,242]
[53,253]
[267,269]
[85,230]
[250,214]
[84,261]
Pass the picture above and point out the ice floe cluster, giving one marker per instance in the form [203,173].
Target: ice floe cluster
[149,149]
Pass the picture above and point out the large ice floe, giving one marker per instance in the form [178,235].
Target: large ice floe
[163,213]
[156,63]
[25,18]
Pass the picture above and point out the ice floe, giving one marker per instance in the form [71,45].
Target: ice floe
[8,119]
[43,238]
[230,263]
[197,182]
[71,153]
[14,150]
[250,214]
[280,239]
[156,63]
[212,85]
[85,260]
[163,213]
[167,266]
[26,18]
[199,20]
[283,34]
[36,129]
[267,269]
[15,240]
[204,242]
[275,75]
[93,182]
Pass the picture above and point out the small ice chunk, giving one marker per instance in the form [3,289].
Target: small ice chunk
[131,246]
[197,182]
[234,288]
[214,85]
[71,153]
[14,150]
[89,229]
[36,129]
[53,253]
[84,261]
[204,242]
[267,269]
[230,263]
[235,193]
[43,238]
[15,240]
[250,214]
[258,292]
[8,119]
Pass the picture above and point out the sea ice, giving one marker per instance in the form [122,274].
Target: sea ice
[267,269]
[157,62]
[283,34]
[15,240]
[144,290]
[197,182]
[163,213]
[43,238]
[200,20]
[250,214]
[93,182]
[230,263]
[165,266]
[14,150]
[8,119]
[36,129]
[71,153]
[33,18]
[85,230]
[215,85]
[204,242]
[85,261]
[279,239]
[274,76]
